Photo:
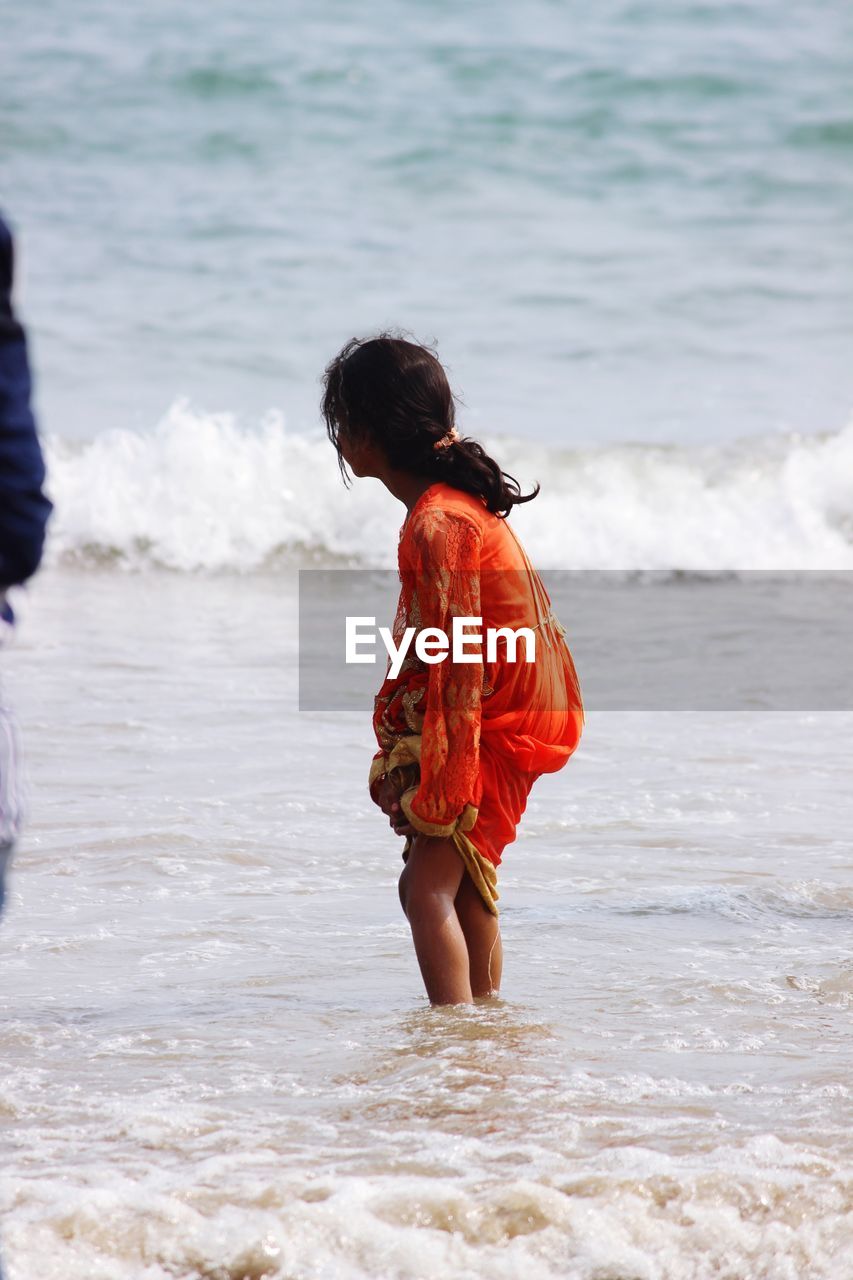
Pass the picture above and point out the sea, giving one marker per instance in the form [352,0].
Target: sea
[624,228]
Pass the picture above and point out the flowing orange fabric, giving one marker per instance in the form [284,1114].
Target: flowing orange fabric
[475,734]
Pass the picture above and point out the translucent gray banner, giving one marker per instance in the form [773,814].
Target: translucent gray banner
[650,641]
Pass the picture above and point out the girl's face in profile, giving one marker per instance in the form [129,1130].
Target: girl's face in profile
[349,449]
[358,453]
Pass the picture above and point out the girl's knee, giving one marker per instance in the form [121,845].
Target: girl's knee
[426,903]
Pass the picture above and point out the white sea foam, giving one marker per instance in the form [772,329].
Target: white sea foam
[202,492]
[649,1217]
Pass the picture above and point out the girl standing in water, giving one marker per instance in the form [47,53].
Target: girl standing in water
[460,743]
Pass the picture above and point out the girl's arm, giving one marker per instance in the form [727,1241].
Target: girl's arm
[445,563]
[376,776]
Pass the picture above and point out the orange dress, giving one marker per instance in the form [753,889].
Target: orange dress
[469,739]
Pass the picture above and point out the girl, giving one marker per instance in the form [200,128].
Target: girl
[460,743]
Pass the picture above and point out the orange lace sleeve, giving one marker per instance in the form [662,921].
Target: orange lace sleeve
[443,557]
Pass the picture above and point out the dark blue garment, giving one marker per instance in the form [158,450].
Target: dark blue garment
[24,509]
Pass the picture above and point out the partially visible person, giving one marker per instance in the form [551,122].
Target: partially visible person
[24,512]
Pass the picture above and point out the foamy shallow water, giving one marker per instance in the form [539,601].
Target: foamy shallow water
[218,1061]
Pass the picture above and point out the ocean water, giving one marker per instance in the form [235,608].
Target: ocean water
[217,1057]
[620,221]
[626,227]
[200,492]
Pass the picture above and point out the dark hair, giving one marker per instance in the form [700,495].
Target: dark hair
[396,394]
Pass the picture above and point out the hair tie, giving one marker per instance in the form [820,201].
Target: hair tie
[446,440]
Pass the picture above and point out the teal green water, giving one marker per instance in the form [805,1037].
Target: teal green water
[620,222]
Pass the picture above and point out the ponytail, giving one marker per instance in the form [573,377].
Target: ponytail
[465,465]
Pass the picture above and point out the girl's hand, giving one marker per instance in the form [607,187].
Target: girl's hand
[400,824]
[388,799]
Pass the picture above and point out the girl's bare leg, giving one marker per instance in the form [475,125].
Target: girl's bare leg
[428,889]
[482,938]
